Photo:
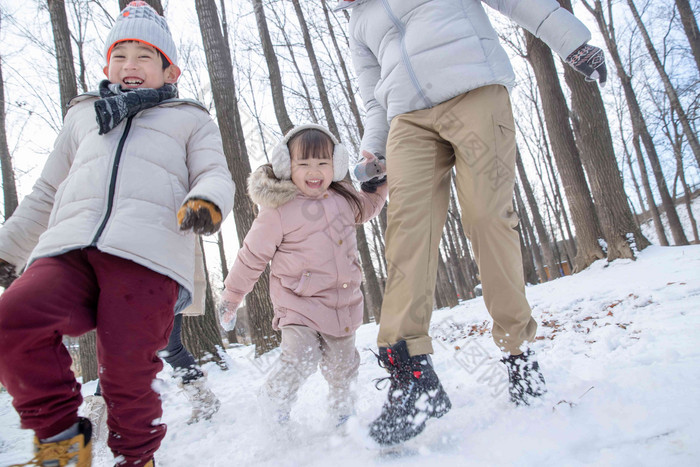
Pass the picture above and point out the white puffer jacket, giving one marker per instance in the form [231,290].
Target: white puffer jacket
[121,191]
[415,54]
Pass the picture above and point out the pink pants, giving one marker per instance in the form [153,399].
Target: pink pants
[132,308]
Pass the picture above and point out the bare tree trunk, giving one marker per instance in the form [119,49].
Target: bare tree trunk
[273,68]
[690,26]
[232,335]
[529,272]
[676,140]
[224,25]
[638,123]
[79,39]
[379,249]
[9,187]
[156,4]
[224,90]
[556,203]
[255,113]
[222,254]
[373,288]
[468,259]
[559,209]
[555,246]
[565,153]
[686,195]
[200,334]
[653,209]
[449,270]
[545,242]
[349,92]
[446,288]
[598,156]
[292,56]
[525,221]
[323,94]
[628,161]
[670,90]
[365,305]
[88,356]
[461,282]
[64,53]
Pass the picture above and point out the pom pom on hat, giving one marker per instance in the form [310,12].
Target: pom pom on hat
[140,22]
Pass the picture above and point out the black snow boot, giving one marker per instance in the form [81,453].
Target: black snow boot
[525,379]
[415,394]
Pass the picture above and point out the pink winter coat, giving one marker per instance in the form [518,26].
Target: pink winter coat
[315,274]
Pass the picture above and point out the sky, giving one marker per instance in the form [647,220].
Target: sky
[617,344]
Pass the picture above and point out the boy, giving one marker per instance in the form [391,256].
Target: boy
[108,236]
[435,83]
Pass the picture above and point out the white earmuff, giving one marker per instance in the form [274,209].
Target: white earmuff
[281,159]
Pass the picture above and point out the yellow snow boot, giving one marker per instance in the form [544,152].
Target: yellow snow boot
[74,452]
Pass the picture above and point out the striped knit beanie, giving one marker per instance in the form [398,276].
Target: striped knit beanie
[140,22]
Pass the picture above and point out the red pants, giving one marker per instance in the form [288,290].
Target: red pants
[132,308]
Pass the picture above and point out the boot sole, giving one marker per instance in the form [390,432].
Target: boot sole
[433,412]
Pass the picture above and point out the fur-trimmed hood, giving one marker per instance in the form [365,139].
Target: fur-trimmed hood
[267,190]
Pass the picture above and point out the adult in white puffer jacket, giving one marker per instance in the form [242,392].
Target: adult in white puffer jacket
[435,83]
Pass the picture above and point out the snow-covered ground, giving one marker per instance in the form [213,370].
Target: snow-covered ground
[618,345]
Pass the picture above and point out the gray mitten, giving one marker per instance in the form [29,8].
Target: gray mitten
[8,274]
[371,172]
[370,168]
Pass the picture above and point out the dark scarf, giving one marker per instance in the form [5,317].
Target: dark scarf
[117,104]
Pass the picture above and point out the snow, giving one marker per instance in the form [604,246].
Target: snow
[617,344]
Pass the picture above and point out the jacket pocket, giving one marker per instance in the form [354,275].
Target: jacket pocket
[303,283]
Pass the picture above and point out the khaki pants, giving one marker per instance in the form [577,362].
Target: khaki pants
[473,132]
[302,350]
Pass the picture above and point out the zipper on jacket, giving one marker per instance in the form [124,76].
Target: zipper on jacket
[404,54]
[113,180]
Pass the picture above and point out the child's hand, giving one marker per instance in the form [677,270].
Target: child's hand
[203,217]
[7,274]
[228,315]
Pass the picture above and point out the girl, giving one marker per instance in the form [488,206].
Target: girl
[306,227]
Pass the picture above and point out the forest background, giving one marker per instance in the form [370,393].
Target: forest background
[593,164]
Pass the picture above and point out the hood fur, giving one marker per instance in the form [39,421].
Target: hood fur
[266,190]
